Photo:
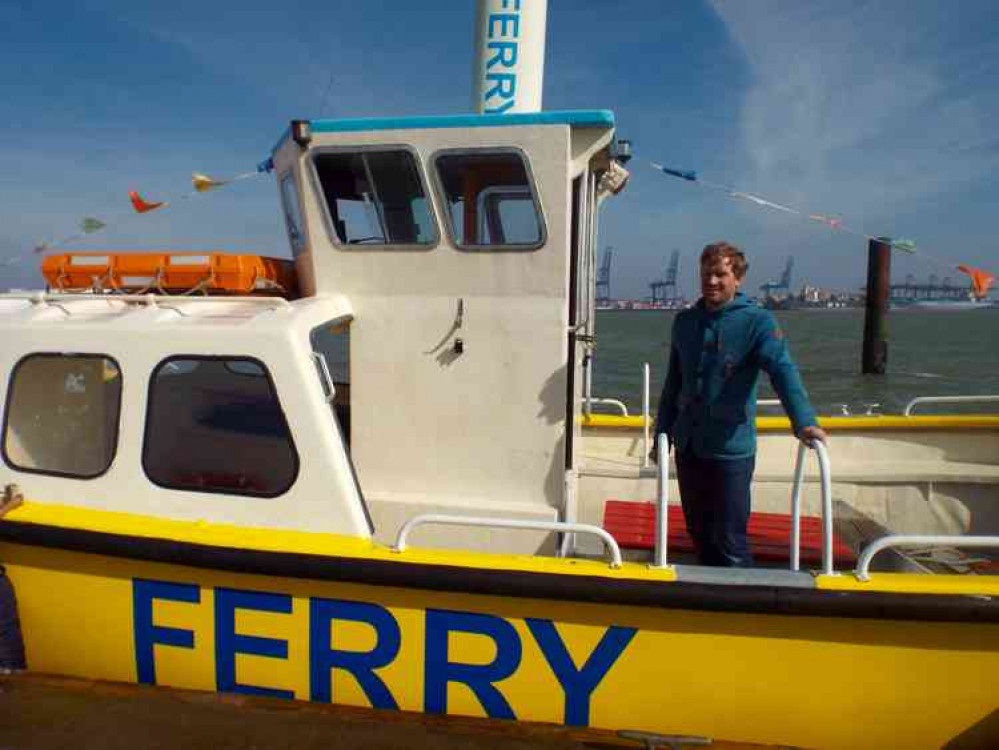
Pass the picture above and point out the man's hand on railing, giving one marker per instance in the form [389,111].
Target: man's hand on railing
[811,433]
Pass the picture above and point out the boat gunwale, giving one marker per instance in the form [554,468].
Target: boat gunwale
[888,423]
[663,593]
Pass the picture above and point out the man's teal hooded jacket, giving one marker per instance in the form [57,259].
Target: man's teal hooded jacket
[708,403]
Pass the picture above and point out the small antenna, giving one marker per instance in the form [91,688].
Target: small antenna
[326,96]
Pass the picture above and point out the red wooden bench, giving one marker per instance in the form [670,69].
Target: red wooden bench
[633,525]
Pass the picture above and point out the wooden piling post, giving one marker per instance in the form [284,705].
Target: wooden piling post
[875,353]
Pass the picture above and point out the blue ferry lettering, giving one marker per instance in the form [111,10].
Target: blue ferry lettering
[442,667]
[146,634]
[480,678]
[503,30]
[228,642]
[505,87]
[361,664]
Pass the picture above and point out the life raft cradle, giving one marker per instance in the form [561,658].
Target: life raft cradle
[208,273]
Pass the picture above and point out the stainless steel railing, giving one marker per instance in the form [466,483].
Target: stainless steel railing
[916,540]
[909,407]
[616,403]
[825,474]
[662,503]
[825,477]
[613,551]
[646,401]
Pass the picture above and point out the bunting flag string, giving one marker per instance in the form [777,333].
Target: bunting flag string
[980,280]
[201,183]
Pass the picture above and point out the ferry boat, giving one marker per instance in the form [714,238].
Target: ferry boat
[972,303]
[381,484]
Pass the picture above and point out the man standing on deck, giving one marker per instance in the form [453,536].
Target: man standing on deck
[708,404]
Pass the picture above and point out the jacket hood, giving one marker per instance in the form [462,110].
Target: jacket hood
[738,302]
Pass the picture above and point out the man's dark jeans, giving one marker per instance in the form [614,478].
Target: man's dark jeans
[715,498]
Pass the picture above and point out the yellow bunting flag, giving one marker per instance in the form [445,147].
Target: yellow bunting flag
[203,183]
[142,206]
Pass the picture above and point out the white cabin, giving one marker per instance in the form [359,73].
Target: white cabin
[446,266]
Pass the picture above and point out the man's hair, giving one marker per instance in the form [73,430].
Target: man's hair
[726,251]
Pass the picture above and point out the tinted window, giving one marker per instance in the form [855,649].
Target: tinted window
[490,200]
[375,198]
[292,213]
[62,414]
[215,425]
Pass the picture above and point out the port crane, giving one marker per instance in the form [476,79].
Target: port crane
[666,289]
[783,284]
[603,277]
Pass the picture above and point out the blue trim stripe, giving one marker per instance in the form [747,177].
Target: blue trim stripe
[583,118]
[577,118]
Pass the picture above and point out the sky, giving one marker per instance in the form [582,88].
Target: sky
[880,113]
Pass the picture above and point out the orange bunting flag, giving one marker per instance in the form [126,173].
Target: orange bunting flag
[142,206]
[203,183]
[980,280]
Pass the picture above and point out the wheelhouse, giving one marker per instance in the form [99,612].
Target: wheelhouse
[466,248]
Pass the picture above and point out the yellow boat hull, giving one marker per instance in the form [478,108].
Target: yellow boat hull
[585,658]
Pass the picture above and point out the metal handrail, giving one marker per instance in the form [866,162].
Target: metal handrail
[916,540]
[509,523]
[662,503]
[946,400]
[825,475]
[320,358]
[610,402]
[646,401]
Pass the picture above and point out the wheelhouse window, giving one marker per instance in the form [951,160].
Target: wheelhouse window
[62,414]
[375,197]
[215,425]
[490,199]
[292,213]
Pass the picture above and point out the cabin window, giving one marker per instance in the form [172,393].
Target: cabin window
[62,414]
[215,425]
[292,213]
[331,346]
[491,200]
[375,197]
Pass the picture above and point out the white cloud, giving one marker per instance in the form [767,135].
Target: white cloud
[864,108]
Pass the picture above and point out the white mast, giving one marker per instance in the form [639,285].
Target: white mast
[509,65]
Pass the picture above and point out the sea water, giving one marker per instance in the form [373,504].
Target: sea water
[930,353]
